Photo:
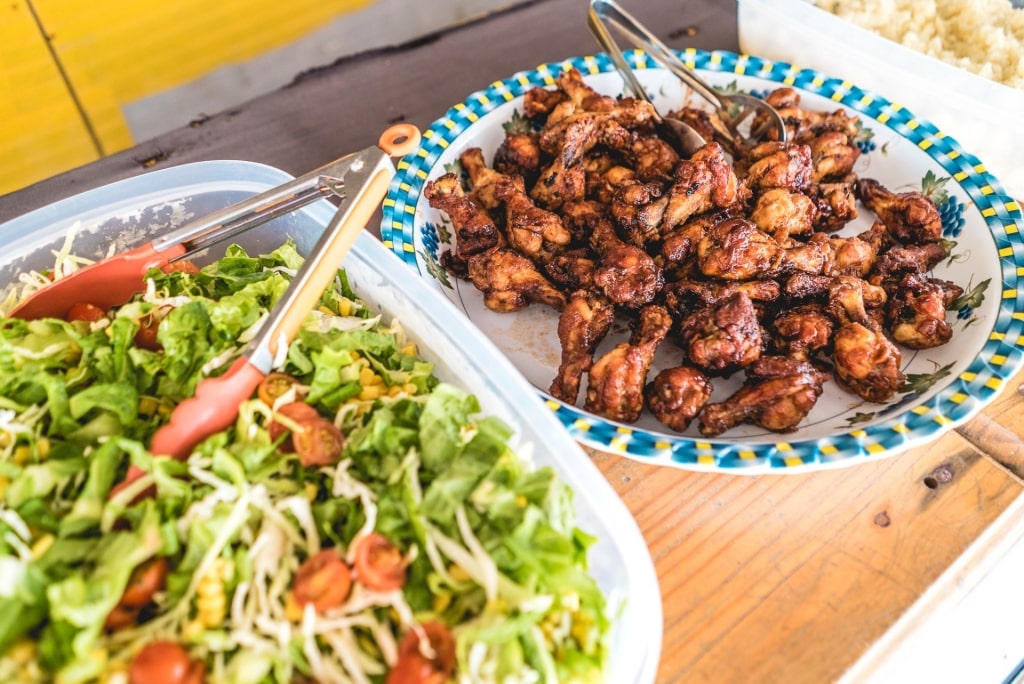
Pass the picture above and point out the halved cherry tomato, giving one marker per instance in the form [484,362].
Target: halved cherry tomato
[145,338]
[165,662]
[298,411]
[274,386]
[378,563]
[146,580]
[318,442]
[323,579]
[183,266]
[412,667]
[84,311]
[120,617]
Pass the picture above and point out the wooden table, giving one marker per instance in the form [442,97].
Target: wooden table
[785,578]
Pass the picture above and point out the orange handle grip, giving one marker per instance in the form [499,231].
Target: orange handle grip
[213,408]
[399,140]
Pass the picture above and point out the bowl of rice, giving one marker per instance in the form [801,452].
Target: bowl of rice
[955,63]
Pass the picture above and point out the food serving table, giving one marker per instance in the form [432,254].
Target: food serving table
[798,578]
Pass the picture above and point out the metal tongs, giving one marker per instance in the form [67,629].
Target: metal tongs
[732,110]
[361,180]
[113,281]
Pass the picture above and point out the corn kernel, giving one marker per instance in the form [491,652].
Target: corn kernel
[292,610]
[21,455]
[410,349]
[42,545]
[440,602]
[192,630]
[311,491]
[224,568]
[211,607]
[325,310]
[366,377]
[409,388]
[458,573]
[344,307]
[114,674]
[5,439]
[43,447]
[395,390]
[148,406]
[370,393]
[5,482]
[209,585]
[22,652]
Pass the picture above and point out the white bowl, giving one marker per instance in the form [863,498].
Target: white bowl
[985,116]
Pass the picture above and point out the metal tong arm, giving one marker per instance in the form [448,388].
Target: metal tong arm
[642,38]
[605,39]
[233,220]
[362,181]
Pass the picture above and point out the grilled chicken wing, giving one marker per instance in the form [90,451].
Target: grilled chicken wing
[835,205]
[701,183]
[626,274]
[779,393]
[783,214]
[802,331]
[779,165]
[584,322]
[475,230]
[724,336]
[736,249]
[509,281]
[866,362]
[917,312]
[677,395]
[615,384]
[911,217]
[536,233]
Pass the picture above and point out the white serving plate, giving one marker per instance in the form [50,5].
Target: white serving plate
[950,383]
[133,211]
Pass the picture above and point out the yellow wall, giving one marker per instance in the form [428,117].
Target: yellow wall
[68,67]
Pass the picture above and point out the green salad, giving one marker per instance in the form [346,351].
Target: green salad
[362,521]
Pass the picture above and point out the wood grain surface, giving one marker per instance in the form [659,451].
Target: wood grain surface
[773,578]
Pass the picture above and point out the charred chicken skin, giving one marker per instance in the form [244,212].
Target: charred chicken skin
[779,393]
[617,379]
[677,395]
[724,336]
[584,322]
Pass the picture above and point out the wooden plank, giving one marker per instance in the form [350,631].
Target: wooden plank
[792,577]
[978,586]
[997,432]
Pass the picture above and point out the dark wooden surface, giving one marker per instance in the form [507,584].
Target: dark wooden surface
[764,579]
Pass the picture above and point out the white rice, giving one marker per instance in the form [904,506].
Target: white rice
[985,37]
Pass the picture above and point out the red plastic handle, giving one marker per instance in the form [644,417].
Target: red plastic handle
[213,408]
[106,283]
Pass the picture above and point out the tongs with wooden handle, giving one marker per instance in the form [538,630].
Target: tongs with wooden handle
[113,281]
[362,182]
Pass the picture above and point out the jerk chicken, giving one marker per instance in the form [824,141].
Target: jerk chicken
[730,254]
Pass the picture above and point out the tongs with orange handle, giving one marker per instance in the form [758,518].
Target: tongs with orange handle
[113,281]
[362,182]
